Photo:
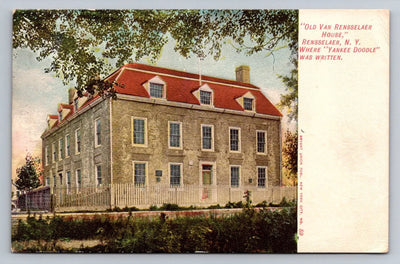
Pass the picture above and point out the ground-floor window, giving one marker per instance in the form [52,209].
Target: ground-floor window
[261,177]
[139,173]
[235,175]
[175,174]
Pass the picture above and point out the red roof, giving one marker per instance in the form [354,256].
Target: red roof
[180,85]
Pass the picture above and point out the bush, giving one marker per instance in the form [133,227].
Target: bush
[247,231]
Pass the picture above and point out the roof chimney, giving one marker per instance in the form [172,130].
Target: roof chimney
[71,93]
[243,74]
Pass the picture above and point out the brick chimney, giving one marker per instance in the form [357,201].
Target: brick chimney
[243,74]
[71,93]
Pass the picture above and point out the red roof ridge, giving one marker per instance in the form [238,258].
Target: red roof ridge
[163,70]
[53,116]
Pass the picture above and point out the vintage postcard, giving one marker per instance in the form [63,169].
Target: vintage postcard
[213,131]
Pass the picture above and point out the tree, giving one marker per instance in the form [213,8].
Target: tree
[289,155]
[28,174]
[83,44]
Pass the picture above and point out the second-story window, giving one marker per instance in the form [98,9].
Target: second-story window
[47,155]
[261,141]
[234,138]
[205,97]
[67,146]
[175,135]
[77,141]
[156,90]
[98,132]
[207,137]
[61,148]
[139,131]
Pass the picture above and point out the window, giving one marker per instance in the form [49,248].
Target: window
[76,104]
[61,148]
[78,179]
[98,132]
[60,115]
[54,181]
[235,171]
[156,90]
[67,146]
[47,155]
[207,137]
[139,131]
[139,173]
[60,177]
[98,175]
[205,97]
[261,177]
[77,141]
[175,134]
[248,103]
[234,139]
[175,174]
[47,181]
[261,141]
[53,146]
[68,181]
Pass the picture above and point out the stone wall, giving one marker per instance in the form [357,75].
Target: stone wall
[158,155]
[90,155]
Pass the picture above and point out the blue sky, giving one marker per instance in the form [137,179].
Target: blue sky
[36,94]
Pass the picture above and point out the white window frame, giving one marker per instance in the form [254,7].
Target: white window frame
[239,139]
[266,177]
[146,172]
[78,185]
[76,141]
[47,181]
[156,80]
[68,173]
[239,176]
[181,174]
[252,104]
[180,135]
[266,142]
[54,152]
[96,136]
[60,148]
[133,131]
[46,155]
[205,88]
[67,146]
[212,136]
[248,95]
[96,168]
[214,172]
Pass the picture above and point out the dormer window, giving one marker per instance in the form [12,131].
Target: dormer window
[248,103]
[60,115]
[156,87]
[205,95]
[156,90]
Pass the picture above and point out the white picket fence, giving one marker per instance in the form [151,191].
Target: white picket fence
[130,195]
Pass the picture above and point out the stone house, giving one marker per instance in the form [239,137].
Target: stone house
[167,129]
